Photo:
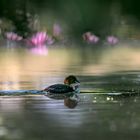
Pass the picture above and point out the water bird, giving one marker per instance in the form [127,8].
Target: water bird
[69,89]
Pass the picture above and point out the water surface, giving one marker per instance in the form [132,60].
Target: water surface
[99,115]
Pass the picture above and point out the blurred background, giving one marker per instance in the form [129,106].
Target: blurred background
[41,42]
[103,17]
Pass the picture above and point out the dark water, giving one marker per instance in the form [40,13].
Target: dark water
[101,114]
[37,118]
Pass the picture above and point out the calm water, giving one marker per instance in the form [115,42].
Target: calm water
[99,114]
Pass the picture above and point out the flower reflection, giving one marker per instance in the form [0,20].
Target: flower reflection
[40,50]
[112,40]
[90,38]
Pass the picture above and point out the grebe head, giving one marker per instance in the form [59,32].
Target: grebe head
[73,82]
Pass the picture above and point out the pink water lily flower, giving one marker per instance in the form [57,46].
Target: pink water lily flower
[13,36]
[112,40]
[50,40]
[39,39]
[56,30]
[90,38]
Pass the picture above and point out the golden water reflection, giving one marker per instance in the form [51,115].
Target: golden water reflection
[20,69]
